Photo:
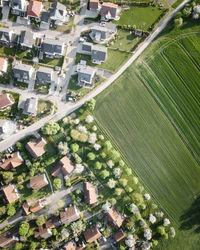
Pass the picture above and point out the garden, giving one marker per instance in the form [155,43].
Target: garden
[52,61]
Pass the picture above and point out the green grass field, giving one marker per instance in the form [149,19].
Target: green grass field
[142,17]
[152,114]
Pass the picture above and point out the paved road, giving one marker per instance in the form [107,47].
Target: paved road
[66,108]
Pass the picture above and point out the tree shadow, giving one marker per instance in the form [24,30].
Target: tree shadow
[191,218]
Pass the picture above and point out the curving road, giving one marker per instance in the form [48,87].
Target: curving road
[66,108]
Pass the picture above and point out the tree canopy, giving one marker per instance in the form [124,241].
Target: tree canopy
[24,228]
[50,128]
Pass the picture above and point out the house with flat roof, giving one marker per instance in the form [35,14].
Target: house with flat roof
[6,100]
[109,11]
[38,181]
[30,106]
[23,72]
[64,166]
[3,65]
[27,40]
[114,217]
[85,75]
[58,13]
[9,238]
[11,193]
[70,214]
[45,75]
[94,4]
[34,10]
[11,161]
[92,234]
[36,147]
[52,47]
[102,34]
[18,7]
[90,194]
[8,38]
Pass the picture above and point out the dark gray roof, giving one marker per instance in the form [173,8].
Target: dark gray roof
[44,74]
[16,4]
[27,38]
[99,53]
[45,16]
[85,73]
[30,106]
[57,9]
[52,46]
[7,35]
[22,71]
[87,46]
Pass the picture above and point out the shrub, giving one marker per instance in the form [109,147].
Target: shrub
[40,220]
[74,147]
[104,174]
[11,210]
[57,183]
[98,165]
[91,156]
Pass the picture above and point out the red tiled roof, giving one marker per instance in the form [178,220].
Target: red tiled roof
[90,193]
[34,8]
[92,234]
[114,217]
[70,245]
[6,100]
[12,161]
[38,181]
[11,193]
[120,235]
[36,147]
[2,62]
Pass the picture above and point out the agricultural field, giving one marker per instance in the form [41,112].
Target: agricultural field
[152,114]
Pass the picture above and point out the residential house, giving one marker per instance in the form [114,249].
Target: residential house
[30,106]
[9,238]
[52,47]
[38,181]
[109,11]
[26,39]
[90,194]
[26,208]
[53,222]
[71,245]
[11,193]
[94,4]
[102,34]
[114,217]
[86,48]
[46,75]
[8,38]
[11,161]
[70,214]
[58,13]
[6,100]
[3,65]
[18,7]
[92,234]
[43,233]
[23,72]
[120,235]
[98,53]
[40,204]
[36,147]
[64,166]
[45,20]
[85,75]
[34,10]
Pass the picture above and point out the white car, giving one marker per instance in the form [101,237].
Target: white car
[81,39]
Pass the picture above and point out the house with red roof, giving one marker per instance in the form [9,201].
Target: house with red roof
[34,10]
[6,100]
[3,65]
[109,11]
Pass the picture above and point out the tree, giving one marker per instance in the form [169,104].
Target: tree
[187,12]
[77,158]
[24,228]
[92,138]
[33,245]
[155,243]
[161,230]
[108,145]
[129,189]
[68,183]
[74,147]
[91,156]
[90,105]
[57,183]
[83,137]
[79,168]
[110,164]
[111,183]
[114,154]
[11,210]
[117,172]
[40,220]
[135,180]
[130,241]
[97,165]
[106,206]
[7,175]
[60,203]
[77,226]
[2,210]
[166,222]
[118,191]
[121,163]
[112,201]
[63,148]
[75,134]
[50,128]
[18,246]
[123,182]
[172,232]
[19,146]
[65,234]
[178,22]
[128,171]
[138,199]
[89,119]
[104,174]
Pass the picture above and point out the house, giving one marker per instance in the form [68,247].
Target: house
[26,208]
[85,75]
[99,54]
[94,4]
[52,47]
[64,166]
[70,214]
[58,13]
[43,232]
[90,194]
[45,75]
[120,235]
[26,39]
[114,217]
[52,222]
[86,48]
[3,65]
[36,147]
[40,204]
[38,181]
[92,234]
[71,245]
[102,34]
[45,20]
[34,10]
[9,238]
[18,7]
[23,72]
[11,161]
[108,10]
[11,193]
[6,100]
[30,106]
[8,38]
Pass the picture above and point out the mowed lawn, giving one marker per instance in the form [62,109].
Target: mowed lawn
[142,17]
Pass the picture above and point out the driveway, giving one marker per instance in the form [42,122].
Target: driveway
[5,11]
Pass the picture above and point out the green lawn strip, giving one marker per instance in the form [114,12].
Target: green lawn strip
[53,61]
[154,150]
[140,16]
[177,3]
